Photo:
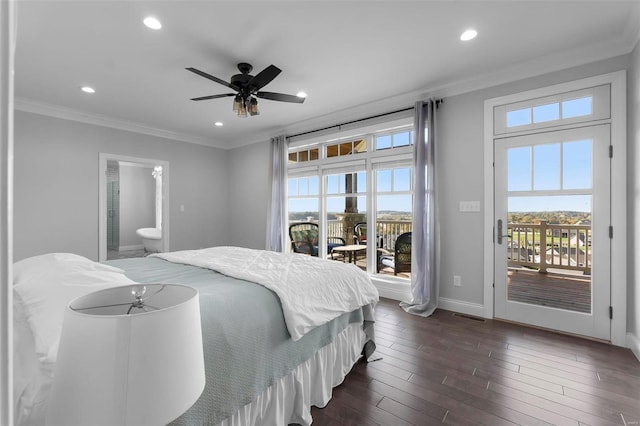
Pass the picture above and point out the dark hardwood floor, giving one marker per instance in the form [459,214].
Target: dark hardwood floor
[458,370]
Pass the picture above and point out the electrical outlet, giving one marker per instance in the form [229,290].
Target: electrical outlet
[457,281]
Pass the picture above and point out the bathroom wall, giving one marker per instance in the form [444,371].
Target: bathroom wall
[137,204]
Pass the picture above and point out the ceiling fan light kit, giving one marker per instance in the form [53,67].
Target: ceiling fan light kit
[247,89]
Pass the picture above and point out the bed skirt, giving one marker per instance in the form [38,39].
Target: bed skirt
[289,399]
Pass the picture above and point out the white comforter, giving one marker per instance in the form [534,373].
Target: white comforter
[312,291]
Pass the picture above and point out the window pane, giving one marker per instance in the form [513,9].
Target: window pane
[547,112]
[333,184]
[383,142]
[362,182]
[293,186]
[293,157]
[519,169]
[401,139]
[360,146]
[303,210]
[577,107]
[314,154]
[314,187]
[576,165]
[519,117]
[393,218]
[402,179]
[346,148]
[303,156]
[332,151]
[303,186]
[546,167]
[384,180]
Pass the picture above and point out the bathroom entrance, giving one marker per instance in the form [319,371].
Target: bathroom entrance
[133,206]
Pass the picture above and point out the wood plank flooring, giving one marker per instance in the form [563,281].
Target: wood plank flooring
[458,370]
[572,292]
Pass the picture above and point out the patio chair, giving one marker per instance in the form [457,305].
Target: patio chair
[401,259]
[304,239]
[360,234]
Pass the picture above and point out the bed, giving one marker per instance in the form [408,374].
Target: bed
[279,330]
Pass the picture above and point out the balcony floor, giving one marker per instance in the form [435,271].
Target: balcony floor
[555,290]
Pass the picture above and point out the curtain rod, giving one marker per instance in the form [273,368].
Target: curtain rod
[438,102]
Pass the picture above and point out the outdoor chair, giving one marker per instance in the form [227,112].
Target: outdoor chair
[401,259]
[304,239]
[360,234]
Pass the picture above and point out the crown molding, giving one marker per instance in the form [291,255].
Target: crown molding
[36,107]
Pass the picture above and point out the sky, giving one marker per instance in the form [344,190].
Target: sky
[562,166]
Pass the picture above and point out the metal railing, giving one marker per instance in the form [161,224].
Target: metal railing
[543,246]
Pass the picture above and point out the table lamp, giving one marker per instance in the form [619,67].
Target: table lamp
[129,355]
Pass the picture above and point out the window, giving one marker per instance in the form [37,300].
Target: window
[565,108]
[394,140]
[358,190]
[346,148]
[303,156]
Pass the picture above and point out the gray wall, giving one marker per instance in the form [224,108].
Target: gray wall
[137,203]
[249,170]
[56,185]
[633,170]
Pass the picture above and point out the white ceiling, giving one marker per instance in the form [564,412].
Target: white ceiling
[351,57]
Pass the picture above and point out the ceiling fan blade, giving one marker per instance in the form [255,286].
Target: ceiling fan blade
[204,98]
[264,77]
[212,78]
[280,97]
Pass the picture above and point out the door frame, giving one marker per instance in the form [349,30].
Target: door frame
[618,122]
[102,198]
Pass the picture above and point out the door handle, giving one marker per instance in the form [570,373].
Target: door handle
[500,232]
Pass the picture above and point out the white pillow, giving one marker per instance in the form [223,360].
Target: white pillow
[47,283]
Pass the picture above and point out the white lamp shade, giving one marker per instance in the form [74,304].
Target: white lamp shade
[142,368]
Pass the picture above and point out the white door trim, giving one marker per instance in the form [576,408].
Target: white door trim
[102,199]
[617,80]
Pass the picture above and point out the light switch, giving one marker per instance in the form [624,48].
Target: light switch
[469,206]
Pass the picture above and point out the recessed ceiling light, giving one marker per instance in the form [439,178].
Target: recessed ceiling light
[152,23]
[88,89]
[218,123]
[301,94]
[468,35]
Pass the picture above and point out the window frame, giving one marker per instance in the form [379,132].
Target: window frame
[369,162]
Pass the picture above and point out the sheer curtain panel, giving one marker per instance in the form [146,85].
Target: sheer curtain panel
[424,285]
[277,220]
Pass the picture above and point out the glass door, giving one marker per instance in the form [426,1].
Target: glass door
[552,213]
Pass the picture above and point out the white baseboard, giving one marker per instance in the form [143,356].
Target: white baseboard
[461,307]
[633,343]
[392,289]
[129,248]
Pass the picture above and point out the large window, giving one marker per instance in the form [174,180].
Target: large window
[354,192]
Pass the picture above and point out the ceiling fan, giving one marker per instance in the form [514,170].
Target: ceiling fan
[247,88]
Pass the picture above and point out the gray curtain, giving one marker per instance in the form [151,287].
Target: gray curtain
[424,285]
[277,219]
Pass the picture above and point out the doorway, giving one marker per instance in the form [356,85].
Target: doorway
[552,212]
[113,216]
[595,104]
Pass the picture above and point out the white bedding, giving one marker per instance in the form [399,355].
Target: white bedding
[293,277]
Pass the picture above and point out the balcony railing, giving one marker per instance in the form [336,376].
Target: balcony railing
[387,231]
[543,246]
